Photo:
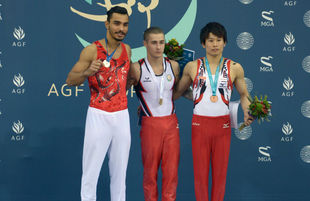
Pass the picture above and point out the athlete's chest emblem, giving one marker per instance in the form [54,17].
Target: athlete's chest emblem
[169,78]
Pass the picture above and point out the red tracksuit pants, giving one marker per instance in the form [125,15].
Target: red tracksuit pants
[210,143]
[160,143]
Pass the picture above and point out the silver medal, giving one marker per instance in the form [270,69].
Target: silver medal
[106,64]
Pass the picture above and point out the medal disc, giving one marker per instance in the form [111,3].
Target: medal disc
[160,101]
[213,98]
[106,64]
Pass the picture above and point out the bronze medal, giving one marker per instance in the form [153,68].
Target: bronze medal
[213,99]
[160,101]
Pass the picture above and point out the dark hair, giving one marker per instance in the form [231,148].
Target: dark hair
[152,30]
[214,28]
[116,9]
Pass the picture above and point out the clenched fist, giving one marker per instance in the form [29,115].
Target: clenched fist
[93,68]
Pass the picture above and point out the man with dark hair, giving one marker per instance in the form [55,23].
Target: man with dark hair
[116,9]
[154,78]
[213,77]
[214,28]
[105,64]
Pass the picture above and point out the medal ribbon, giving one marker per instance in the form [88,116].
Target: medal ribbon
[161,87]
[109,57]
[213,83]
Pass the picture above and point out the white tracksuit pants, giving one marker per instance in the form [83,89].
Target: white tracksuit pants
[105,132]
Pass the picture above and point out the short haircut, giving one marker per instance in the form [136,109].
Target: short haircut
[116,9]
[214,28]
[152,30]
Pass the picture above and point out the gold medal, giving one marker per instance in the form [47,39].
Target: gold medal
[213,99]
[160,101]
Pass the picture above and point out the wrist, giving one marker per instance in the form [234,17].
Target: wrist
[83,73]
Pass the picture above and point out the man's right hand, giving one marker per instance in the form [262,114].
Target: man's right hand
[93,68]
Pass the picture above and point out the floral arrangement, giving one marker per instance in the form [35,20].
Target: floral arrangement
[259,109]
[173,50]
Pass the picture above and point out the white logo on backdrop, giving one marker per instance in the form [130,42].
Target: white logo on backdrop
[267,65]
[266,155]
[19,33]
[265,13]
[269,22]
[305,109]
[18,80]
[18,127]
[246,1]
[287,129]
[263,60]
[288,84]
[290,3]
[307,18]
[289,39]
[305,154]
[249,84]
[244,134]
[245,41]
[263,152]
[306,64]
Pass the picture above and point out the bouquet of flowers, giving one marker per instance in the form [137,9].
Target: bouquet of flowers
[259,109]
[173,50]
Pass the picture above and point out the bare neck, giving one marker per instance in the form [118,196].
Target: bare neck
[156,64]
[214,60]
[112,43]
